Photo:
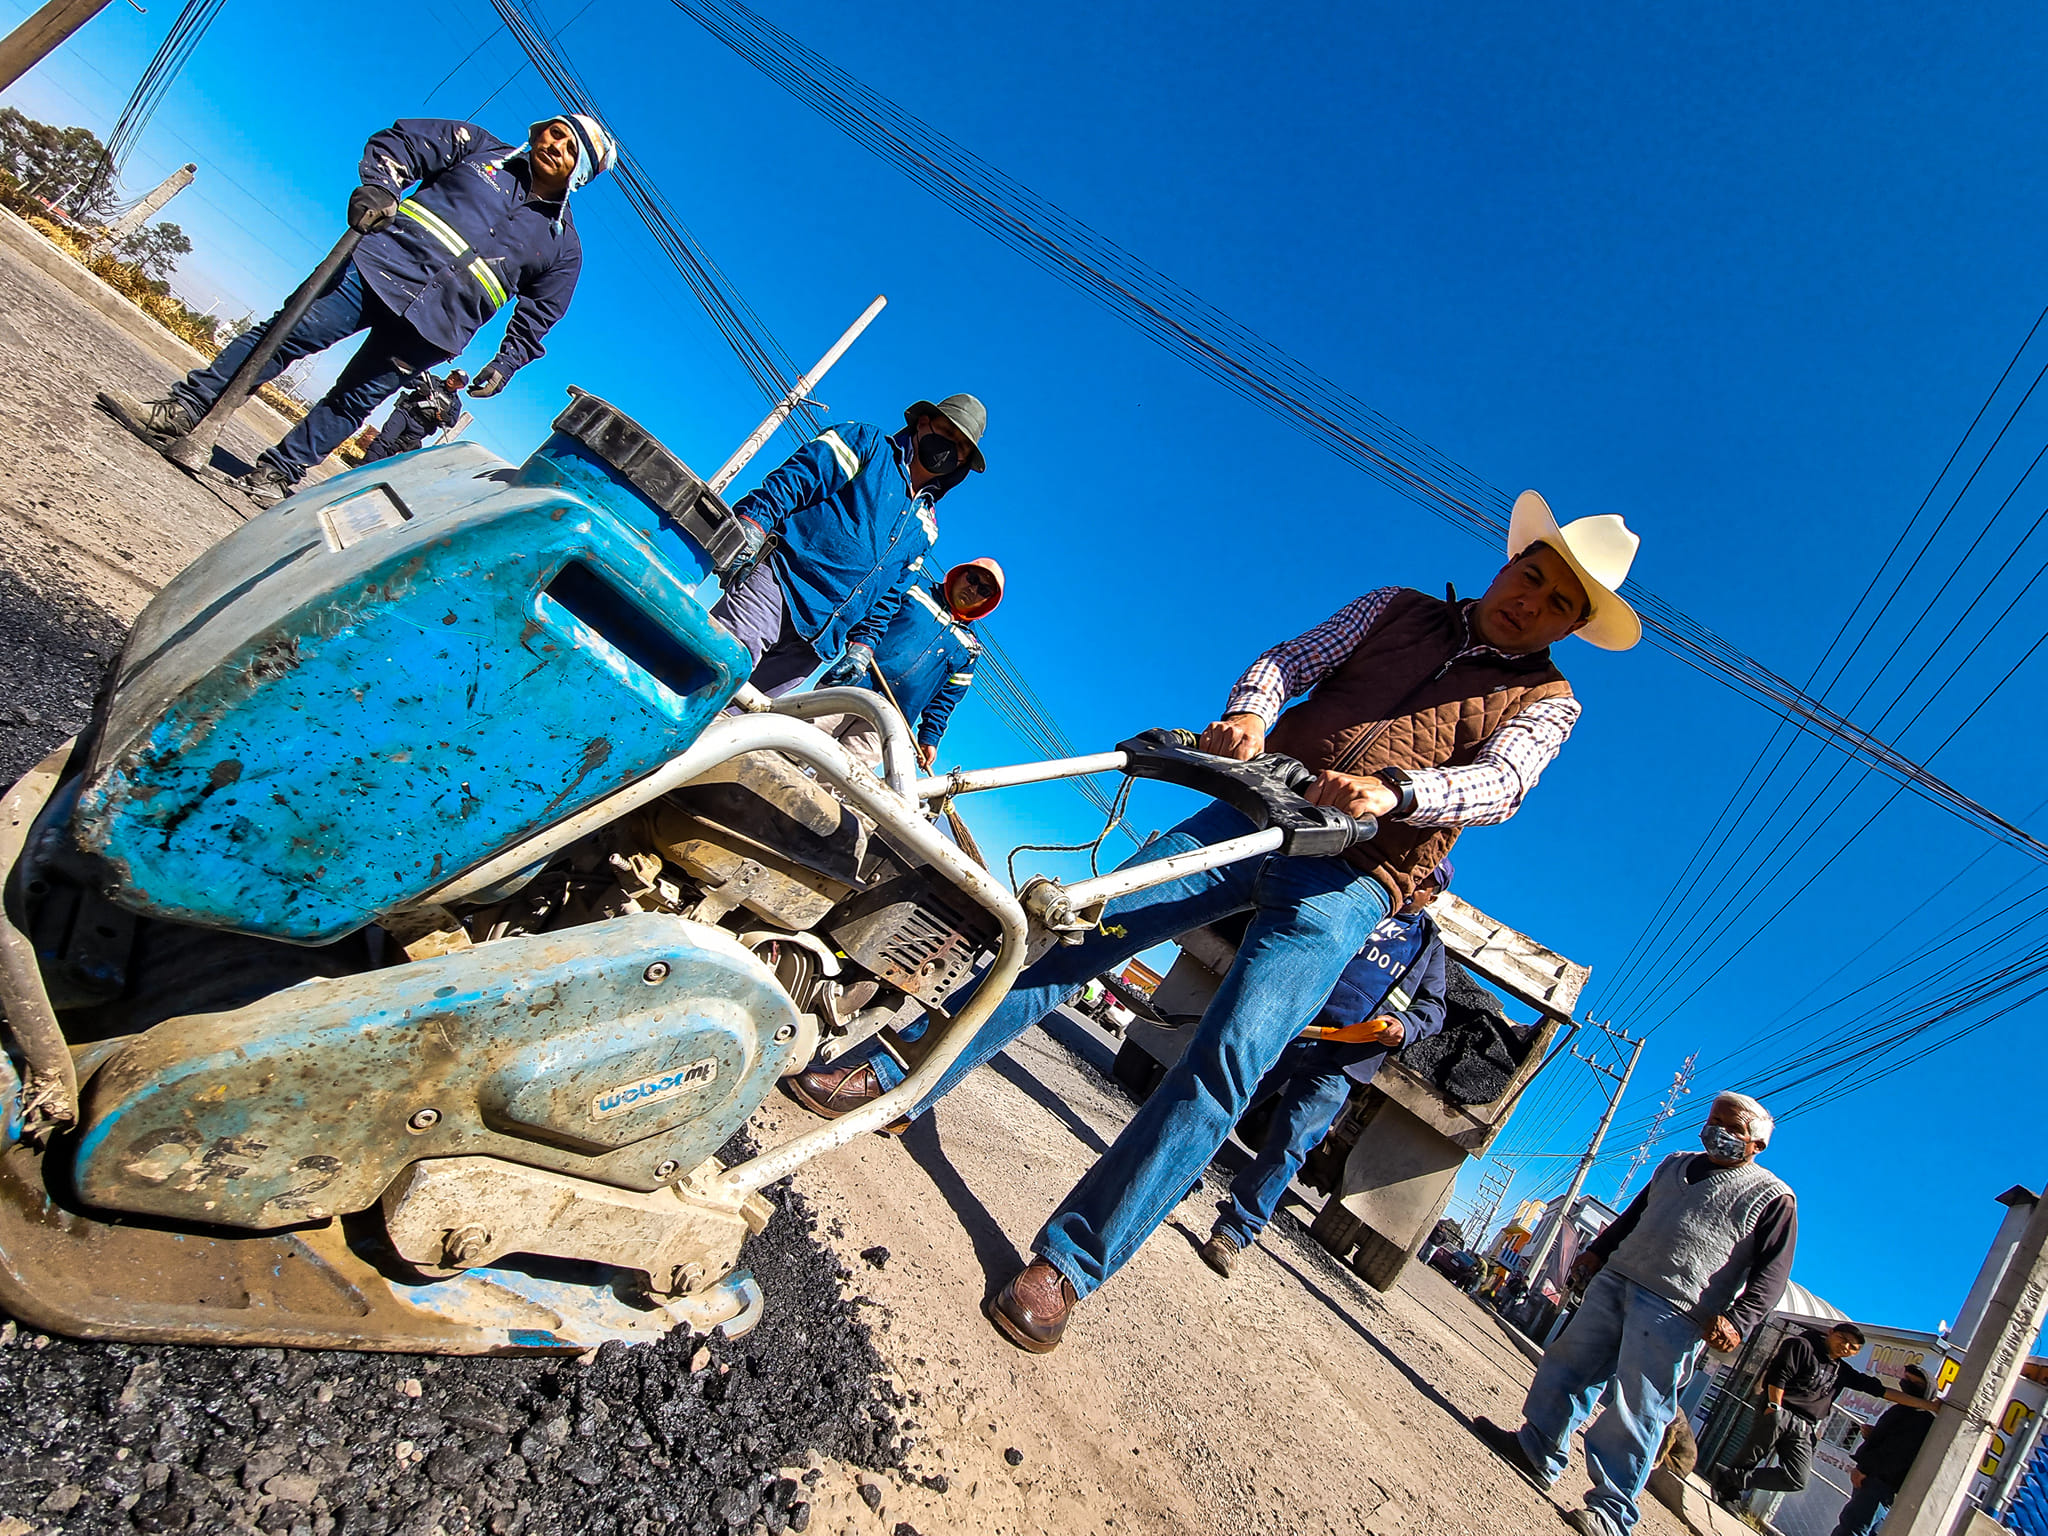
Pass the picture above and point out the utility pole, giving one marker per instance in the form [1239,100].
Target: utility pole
[42,34]
[151,205]
[1493,1188]
[1533,1269]
[1681,1085]
[1933,1494]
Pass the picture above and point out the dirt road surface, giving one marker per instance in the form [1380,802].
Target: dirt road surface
[876,1396]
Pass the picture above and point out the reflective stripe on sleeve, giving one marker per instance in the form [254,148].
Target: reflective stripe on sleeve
[849,462]
[961,678]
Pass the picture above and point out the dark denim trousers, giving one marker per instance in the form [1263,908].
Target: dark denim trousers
[1310,916]
[390,355]
[1309,1087]
[754,612]
[1865,1511]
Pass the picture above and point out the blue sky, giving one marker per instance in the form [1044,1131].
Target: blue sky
[1742,274]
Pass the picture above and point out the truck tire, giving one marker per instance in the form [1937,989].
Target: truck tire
[1378,1262]
[1138,1071]
[1336,1228]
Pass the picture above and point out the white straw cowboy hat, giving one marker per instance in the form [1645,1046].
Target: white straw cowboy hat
[1599,550]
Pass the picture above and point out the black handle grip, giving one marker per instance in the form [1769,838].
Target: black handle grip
[1266,790]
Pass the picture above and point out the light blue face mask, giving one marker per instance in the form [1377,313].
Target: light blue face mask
[1724,1144]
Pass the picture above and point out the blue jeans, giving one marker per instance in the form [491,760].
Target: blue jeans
[1865,1511]
[1310,917]
[1311,1087]
[1642,1344]
[390,356]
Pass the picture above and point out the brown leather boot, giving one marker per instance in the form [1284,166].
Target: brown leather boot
[835,1093]
[1032,1310]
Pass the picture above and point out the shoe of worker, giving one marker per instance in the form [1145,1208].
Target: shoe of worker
[1032,1310]
[831,1094]
[167,419]
[265,485]
[1589,1522]
[1220,1253]
[1507,1445]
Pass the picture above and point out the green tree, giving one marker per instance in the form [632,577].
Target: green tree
[54,163]
[155,248]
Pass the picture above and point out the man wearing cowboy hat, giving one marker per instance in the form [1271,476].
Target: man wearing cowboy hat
[1430,714]
[844,525]
[485,224]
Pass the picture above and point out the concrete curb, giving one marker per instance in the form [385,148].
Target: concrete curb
[137,324]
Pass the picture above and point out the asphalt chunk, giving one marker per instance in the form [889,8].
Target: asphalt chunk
[630,1443]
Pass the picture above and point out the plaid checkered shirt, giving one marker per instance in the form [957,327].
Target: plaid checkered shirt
[1488,789]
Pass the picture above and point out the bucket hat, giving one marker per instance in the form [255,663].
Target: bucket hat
[966,413]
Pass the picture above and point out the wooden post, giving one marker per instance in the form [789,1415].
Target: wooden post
[42,34]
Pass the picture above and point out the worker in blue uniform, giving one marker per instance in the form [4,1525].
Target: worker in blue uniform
[1392,994]
[925,657]
[841,528]
[485,224]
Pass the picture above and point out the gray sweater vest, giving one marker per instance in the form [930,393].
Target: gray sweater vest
[1695,1243]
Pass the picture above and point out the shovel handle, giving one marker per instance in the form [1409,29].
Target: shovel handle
[194,450]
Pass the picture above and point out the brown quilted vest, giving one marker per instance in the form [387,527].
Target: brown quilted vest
[1406,698]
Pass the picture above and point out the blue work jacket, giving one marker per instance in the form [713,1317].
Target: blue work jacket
[852,535]
[1400,973]
[468,239]
[928,657]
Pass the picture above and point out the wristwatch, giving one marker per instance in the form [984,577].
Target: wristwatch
[1398,781]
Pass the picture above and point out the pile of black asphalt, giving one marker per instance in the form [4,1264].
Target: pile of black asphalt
[682,1435]
[686,1435]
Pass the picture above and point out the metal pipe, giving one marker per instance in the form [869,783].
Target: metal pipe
[194,451]
[49,1090]
[964,781]
[899,761]
[1140,877]
[900,821]
[802,387]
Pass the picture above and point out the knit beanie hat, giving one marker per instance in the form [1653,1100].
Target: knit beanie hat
[596,150]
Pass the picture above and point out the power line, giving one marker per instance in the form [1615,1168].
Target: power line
[1256,369]
[163,68]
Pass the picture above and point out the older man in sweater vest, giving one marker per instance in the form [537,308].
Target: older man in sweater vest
[1430,714]
[1701,1255]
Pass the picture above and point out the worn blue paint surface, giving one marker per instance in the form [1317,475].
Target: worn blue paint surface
[301,1106]
[306,735]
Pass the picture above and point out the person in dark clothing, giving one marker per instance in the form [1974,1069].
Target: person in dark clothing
[843,526]
[1702,1255]
[1885,1457]
[430,406]
[1800,1386]
[1391,995]
[485,224]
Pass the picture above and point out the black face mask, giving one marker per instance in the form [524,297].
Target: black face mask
[939,454]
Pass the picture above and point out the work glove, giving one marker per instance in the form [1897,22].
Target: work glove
[371,208]
[487,383]
[850,668]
